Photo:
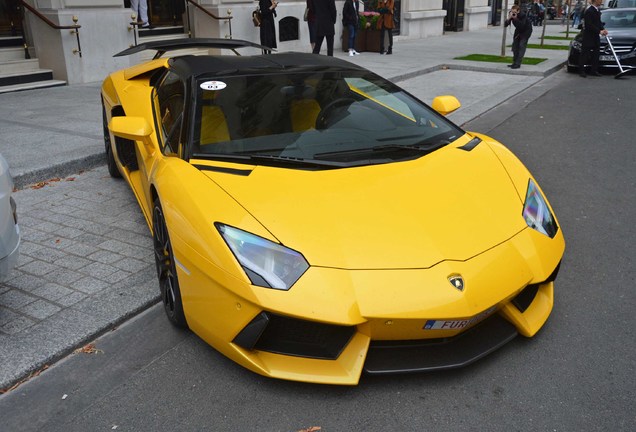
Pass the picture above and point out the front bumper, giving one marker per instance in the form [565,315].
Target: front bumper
[334,323]
[626,55]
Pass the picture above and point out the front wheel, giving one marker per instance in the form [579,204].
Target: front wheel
[166,270]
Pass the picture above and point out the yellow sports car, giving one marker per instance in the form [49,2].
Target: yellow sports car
[312,220]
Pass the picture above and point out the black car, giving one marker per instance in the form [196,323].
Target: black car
[621,26]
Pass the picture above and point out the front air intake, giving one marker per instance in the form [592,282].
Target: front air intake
[294,337]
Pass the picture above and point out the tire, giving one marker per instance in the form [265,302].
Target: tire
[110,158]
[166,270]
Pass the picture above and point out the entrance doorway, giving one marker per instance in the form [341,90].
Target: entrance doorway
[164,13]
[10,18]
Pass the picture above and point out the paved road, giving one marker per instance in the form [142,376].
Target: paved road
[577,374]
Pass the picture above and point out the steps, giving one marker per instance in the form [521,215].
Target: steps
[18,73]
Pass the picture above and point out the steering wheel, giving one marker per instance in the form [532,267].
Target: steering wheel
[322,120]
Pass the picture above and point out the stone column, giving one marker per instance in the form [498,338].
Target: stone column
[422,18]
[104,31]
[476,14]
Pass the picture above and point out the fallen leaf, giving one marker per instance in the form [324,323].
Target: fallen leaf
[31,375]
[39,185]
[88,349]
[311,429]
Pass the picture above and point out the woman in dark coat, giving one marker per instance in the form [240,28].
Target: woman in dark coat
[325,11]
[268,29]
[311,23]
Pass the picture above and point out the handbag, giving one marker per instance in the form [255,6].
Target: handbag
[306,15]
[257,17]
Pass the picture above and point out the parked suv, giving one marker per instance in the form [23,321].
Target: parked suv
[9,230]
[621,4]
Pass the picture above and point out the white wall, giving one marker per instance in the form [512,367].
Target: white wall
[106,30]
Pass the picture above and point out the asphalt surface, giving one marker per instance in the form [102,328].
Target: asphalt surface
[577,374]
[86,260]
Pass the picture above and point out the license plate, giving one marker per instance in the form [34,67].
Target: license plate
[607,58]
[457,324]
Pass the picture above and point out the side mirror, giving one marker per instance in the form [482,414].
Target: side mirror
[445,104]
[132,128]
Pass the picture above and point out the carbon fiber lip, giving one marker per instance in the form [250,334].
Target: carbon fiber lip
[439,354]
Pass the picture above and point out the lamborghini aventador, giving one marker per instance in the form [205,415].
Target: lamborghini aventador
[312,220]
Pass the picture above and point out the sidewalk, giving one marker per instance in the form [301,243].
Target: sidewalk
[86,260]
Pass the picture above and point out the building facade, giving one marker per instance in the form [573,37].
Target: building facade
[107,27]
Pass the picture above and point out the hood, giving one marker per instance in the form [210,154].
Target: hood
[451,204]
[623,36]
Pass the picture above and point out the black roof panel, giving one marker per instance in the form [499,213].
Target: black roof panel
[188,66]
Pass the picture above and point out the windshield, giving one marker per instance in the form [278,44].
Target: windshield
[327,118]
[616,19]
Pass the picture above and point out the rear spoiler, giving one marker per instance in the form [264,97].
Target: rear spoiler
[164,46]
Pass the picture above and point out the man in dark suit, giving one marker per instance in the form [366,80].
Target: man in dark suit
[593,28]
[325,11]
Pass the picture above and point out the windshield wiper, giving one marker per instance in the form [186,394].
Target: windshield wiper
[418,147]
[296,161]
[422,148]
[273,159]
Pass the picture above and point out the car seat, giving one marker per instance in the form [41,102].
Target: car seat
[303,113]
[214,127]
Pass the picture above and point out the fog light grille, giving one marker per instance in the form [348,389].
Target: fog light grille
[290,336]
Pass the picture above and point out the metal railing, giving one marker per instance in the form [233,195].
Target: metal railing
[228,18]
[74,28]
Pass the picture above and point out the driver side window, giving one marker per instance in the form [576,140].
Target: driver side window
[170,101]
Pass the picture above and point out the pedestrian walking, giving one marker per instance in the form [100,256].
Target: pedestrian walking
[325,11]
[350,22]
[541,15]
[386,24]
[565,12]
[140,8]
[593,29]
[577,13]
[523,31]
[267,28]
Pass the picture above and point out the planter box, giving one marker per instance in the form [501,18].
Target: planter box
[360,43]
[372,40]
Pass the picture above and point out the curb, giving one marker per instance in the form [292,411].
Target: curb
[65,169]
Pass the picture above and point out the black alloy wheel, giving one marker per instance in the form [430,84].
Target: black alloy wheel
[112,166]
[166,270]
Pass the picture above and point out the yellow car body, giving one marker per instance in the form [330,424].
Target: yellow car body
[385,244]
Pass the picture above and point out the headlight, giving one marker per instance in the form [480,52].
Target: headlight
[537,213]
[266,263]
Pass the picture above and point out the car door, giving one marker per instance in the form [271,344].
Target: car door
[169,110]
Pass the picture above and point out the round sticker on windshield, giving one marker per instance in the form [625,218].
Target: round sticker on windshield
[213,85]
